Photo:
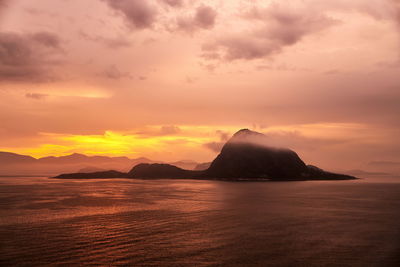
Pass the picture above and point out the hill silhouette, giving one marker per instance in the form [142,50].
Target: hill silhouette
[245,156]
[11,158]
[93,175]
[156,170]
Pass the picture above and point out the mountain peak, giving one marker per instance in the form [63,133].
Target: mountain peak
[248,154]
[76,155]
[245,131]
[13,157]
[249,137]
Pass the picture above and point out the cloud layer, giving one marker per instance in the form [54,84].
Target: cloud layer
[27,57]
[138,14]
[277,27]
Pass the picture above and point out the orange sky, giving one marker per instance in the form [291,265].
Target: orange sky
[171,79]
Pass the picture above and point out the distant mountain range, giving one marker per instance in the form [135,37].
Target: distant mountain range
[15,164]
[245,156]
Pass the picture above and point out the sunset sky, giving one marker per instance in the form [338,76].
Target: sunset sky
[173,79]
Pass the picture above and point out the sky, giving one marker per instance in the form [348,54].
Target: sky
[173,79]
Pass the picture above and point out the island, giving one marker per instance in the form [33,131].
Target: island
[245,156]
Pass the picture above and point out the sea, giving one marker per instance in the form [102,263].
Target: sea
[127,222]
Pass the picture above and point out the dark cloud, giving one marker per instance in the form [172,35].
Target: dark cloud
[185,24]
[138,13]
[118,42]
[173,3]
[26,57]
[3,4]
[280,27]
[47,39]
[204,18]
[169,130]
[214,146]
[112,72]
[377,9]
[217,146]
[223,136]
[396,5]
[36,96]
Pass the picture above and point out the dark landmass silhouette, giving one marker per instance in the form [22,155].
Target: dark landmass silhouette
[93,175]
[145,170]
[246,156]
[89,169]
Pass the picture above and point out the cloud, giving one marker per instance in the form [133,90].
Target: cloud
[223,136]
[204,18]
[278,27]
[217,146]
[169,130]
[286,139]
[164,130]
[214,146]
[26,57]
[396,9]
[35,96]
[118,42]
[173,3]
[145,14]
[112,72]
[139,14]
[47,39]
[3,5]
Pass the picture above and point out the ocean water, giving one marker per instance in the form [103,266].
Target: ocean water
[199,223]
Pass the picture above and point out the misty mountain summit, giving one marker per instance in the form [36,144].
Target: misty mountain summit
[246,156]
